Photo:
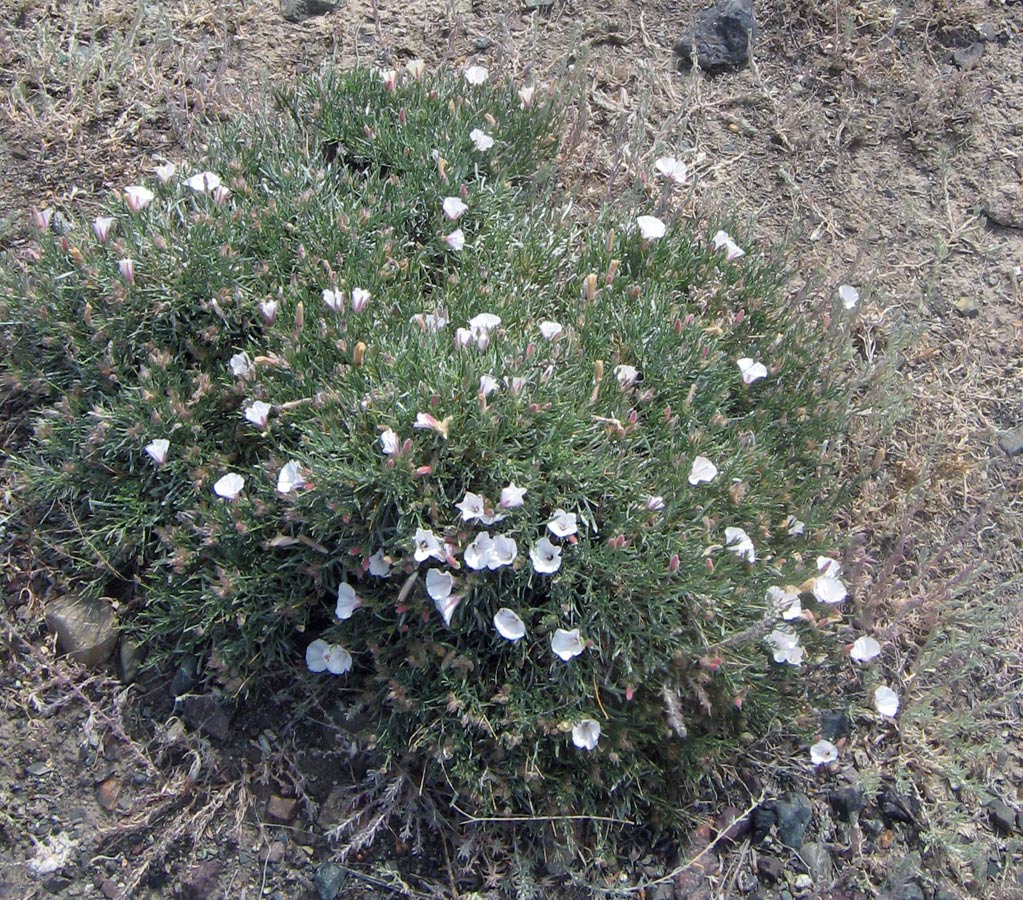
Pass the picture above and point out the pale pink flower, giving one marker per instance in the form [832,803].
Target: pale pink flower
[848,295]
[241,366]
[333,299]
[550,330]
[886,701]
[672,169]
[416,68]
[454,208]
[784,644]
[511,496]
[546,557]
[503,552]
[740,543]
[229,486]
[347,601]
[473,506]
[127,269]
[703,471]
[157,450]
[526,97]
[427,422]
[138,197]
[258,413]
[864,649]
[562,524]
[379,565]
[476,75]
[165,172]
[455,240]
[722,240]
[267,310]
[488,384]
[650,228]
[291,477]
[477,553]
[751,371]
[481,140]
[389,442]
[427,545]
[823,752]
[101,228]
[360,298]
[203,182]
[627,376]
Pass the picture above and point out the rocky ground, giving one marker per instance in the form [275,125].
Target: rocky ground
[883,143]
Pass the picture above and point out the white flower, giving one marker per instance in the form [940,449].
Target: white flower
[654,503]
[848,295]
[650,227]
[455,240]
[784,644]
[229,486]
[157,450]
[784,603]
[439,584]
[828,566]
[258,413]
[476,75]
[511,496]
[241,366]
[794,526]
[545,556]
[732,250]
[416,68]
[379,565]
[267,310]
[482,141]
[477,554]
[586,734]
[515,384]
[483,323]
[203,182]
[503,552]
[454,208]
[823,752]
[428,422]
[101,228]
[740,543]
[431,322]
[52,854]
[347,601]
[886,701]
[290,477]
[127,269]
[751,371]
[138,197]
[334,300]
[165,172]
[864,649]
[338,660]
[428,545]
[463,337]
[673,169]
[627,376]
[316,655]
[389,442]
[550,330]
[488,384]
[360,298]
[509,625]
[473,506]
[567,644]
[526,97]
[562,524]
[703,470]
[829,590]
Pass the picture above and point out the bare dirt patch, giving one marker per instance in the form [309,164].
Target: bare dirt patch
[881,146]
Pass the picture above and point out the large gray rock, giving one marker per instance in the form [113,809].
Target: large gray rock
[86,629]
[721,38]
[300,10]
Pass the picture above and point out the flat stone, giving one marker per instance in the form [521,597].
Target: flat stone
[281,809]
[968,57]
[108,792]
[818,863]
[1002,817]
[86,629]
[966,307]
[300,10]
[794,814]
[847,802]
[770,869]
[721,38]
[1012,441]
[329,880]
[202,712]
[835,724]
[130,657]
[56,884]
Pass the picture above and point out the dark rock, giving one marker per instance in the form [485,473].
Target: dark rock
[86,628]
[109,889]
[329,880]
[764,819]
[847,802]
[794,814]
[130,657]
[1004,208]
[184,677]
[55,884]
[835,724]
[770,869]
[1012,442]
[896,808]
[905,890]
[721,37]
[202,880]
[1002,817]
[300,10]
[276,852]
[818,863]
[281,809]
[968,57]
[202,712]
[732,827]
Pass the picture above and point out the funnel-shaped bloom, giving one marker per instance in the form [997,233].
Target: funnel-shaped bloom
[586,734]
[509,625]
[567,644]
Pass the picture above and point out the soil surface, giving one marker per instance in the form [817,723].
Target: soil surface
[882,143]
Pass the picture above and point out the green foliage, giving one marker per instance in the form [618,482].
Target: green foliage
[341,188]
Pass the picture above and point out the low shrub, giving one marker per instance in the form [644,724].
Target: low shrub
[368,390]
